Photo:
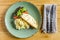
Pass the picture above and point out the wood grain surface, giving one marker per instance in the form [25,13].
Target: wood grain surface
[5,35]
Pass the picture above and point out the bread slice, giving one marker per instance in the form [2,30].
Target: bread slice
[30,20]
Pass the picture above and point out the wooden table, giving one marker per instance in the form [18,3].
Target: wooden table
[5,35]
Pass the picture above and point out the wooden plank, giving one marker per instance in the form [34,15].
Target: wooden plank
[58,8]
[3,9]
[36,2]
[8,2]
[57,2]
[58,25]
[7,36]
[58,14]
[40,2]
[37,36]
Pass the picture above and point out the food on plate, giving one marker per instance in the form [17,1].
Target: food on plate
[28,18]
[23,20]
[21,24]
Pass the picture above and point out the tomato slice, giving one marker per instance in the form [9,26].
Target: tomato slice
[15,17]
[25,12]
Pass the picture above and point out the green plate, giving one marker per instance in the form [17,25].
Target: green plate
[32,10]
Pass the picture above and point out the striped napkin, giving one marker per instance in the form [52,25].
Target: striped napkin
[49,19]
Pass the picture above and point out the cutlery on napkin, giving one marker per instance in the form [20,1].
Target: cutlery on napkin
[49,20]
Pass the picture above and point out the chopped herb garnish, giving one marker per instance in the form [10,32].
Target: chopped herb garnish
[20,11]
